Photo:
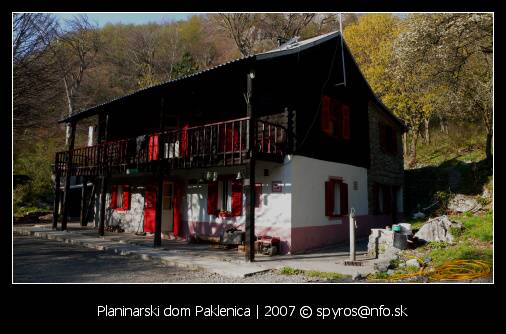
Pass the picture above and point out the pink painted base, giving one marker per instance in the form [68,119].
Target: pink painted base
[299,239]
[311,237]
[216,229]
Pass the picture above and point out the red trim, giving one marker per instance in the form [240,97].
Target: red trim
[237,188]
[126,197]
[149,211]
[114,191]
[330,197]
[153,147]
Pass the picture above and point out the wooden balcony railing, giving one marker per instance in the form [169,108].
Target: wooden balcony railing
[217,144]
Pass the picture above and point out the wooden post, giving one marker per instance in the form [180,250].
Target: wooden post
[249,187]
[66,195]
[103,181]
[158,221]
[56,194]
[289,130]
[101,224]
[84,207]
[159,194]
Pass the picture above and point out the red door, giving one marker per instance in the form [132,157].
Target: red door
[149,211]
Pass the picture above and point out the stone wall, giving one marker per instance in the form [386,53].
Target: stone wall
[384,168]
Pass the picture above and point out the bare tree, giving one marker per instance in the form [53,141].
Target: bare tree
[241,28]
[33,69]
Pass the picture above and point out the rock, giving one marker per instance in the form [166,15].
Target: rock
[418,215]
[356,276]
[48,217]
[412,263]
[427,260]
[390,271]
[437,229]
[462,203]
[381,266]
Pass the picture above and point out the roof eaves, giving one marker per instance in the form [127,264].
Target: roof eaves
[89,110]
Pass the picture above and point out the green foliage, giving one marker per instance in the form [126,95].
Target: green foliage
[312,273]
[185,66]
[477,226]
[36,163]
[461,251]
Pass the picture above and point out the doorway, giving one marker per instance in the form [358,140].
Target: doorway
[167,208]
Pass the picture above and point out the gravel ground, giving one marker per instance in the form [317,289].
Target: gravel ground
[48,261]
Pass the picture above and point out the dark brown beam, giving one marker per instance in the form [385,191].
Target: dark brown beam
[159,194]
[103,181]
[66,195]
[249,187]
[84,207]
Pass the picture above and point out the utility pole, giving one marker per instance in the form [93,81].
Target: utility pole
[353,225]
[249,187]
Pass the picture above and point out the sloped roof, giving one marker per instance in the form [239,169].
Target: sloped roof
[291,47]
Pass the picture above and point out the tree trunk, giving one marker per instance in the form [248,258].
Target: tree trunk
[414,139]
[488,147]
[427,134]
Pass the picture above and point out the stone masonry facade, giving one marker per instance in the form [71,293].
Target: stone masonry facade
[385,168]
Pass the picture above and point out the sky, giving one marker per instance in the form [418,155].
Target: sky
[135,18]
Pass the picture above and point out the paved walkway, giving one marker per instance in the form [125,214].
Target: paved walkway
[208,257]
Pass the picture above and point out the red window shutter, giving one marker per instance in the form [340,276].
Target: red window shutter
[326,124]
[126,197]
[153,147]
[258,193]
[184,141]
[345,114]
[212,198]
[329,198]
[114,190]
[344,198]
[236,197]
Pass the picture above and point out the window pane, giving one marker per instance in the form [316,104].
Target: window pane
[337,199]
[119,197]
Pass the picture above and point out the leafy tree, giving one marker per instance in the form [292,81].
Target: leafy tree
[185,66]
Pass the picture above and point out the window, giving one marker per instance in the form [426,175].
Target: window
[225,195]
[384,197]
[335,118]
[336,198]
[120,197]
[388,139]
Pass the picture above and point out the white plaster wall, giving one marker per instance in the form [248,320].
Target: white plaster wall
[308,199]
[275,208]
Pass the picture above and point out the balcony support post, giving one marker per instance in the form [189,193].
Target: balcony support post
[66,195]
[249,187]
[103,180]
[159,194]
[84,192]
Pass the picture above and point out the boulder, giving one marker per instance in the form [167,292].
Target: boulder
[418,215]
[382,266]
[437,229]
[412,263]
[462,203]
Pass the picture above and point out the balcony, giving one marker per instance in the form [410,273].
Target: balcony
[218,144]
